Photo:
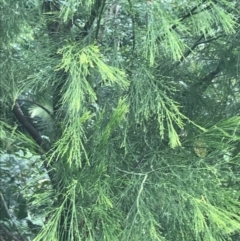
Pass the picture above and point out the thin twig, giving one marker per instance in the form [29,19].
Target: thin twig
[27,125]
[139,193]
[189,51]
[132,173]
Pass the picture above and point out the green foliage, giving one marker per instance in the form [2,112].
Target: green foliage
[120,120]
[20,171]
[78,63]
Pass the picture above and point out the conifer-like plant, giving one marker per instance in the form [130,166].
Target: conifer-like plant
[126,116]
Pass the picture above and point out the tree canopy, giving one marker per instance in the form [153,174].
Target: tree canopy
[120,120]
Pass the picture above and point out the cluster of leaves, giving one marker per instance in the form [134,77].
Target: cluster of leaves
[22,178]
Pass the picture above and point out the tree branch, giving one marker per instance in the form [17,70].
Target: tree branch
[203,83]
[36,137]
[191,13]
[207,79]
[189,51]
[99,18]
[198,42]
[30,129]
[93,16]
[41,106]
